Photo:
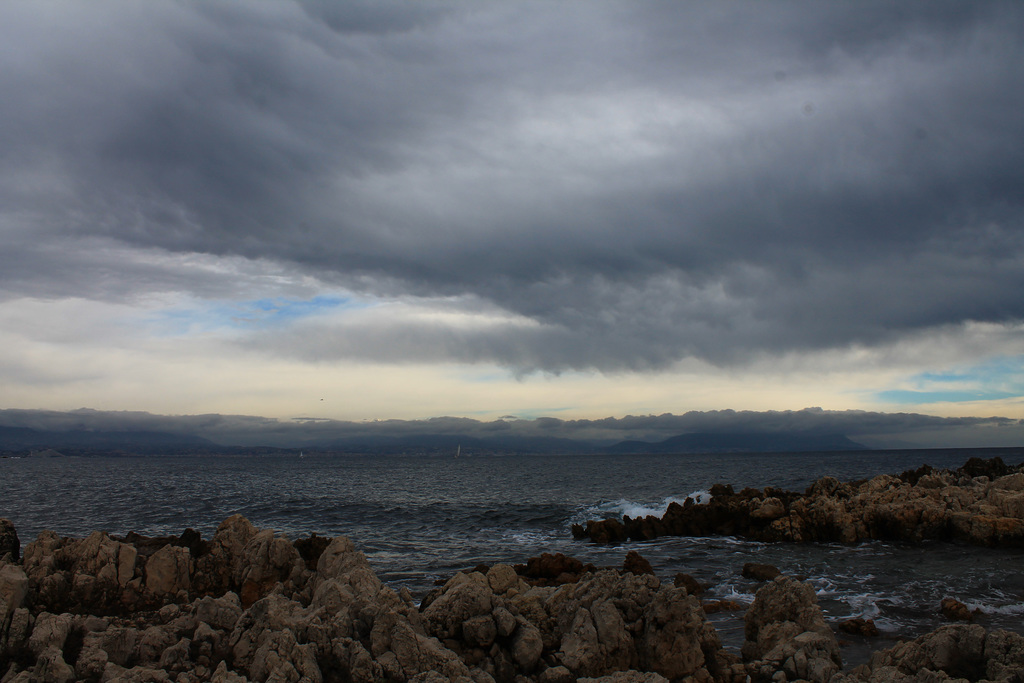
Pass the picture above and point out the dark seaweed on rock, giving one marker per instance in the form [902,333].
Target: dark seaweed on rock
[980,503]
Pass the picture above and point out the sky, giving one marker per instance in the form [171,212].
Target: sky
[397,211]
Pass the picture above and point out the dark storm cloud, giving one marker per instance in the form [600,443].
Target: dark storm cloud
[259,431]
[639,184]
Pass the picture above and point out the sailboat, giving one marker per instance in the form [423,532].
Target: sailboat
[458,451]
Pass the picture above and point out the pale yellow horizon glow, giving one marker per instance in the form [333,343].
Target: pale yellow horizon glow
[66,355]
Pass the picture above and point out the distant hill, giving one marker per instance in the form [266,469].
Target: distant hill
[740,443]
[142,442]
[450,443]
[22,440]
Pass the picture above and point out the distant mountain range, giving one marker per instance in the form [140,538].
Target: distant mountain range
[141,442]
[741,443]
[21,440]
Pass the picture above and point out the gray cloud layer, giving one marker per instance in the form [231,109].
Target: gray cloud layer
[643,183]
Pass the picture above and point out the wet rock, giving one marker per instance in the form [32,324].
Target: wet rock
[859,627]
[722,606]
[691,584]
[768,509]
[552,569]
[954,610]
[606,531]
[981,503]
[760,572]
[636,564]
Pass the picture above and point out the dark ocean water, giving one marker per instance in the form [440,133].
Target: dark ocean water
[419,519]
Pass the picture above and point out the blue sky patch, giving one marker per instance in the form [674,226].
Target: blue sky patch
[258,313]
[997,379]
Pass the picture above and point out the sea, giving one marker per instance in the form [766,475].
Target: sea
[420,519]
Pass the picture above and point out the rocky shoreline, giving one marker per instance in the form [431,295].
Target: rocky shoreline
[252,605]
[981,503]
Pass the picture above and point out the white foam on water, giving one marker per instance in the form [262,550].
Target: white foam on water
[629,508]
[863,605]
[727,591]
[1005,610]
[530,537]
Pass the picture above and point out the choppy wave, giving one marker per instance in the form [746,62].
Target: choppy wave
[628,508]
[1003,610]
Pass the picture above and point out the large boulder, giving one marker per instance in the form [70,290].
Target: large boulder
[168,571]
[785,630]
[266,560]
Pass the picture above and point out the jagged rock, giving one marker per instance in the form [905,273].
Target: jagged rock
[215,569]
[176,657]
[50,667]
[9,542]
[465,596]
[13,590]
[311,548]
[272,614]
[168,571]
[340,623]
[768,509]
[957,651]
[50,632]
[502,577]
[280,657]
[222,675]
[556,674]
[671,643]
[981,503]
[220,613]
[785,631]
[266,560]
[479,631]
[527,646]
